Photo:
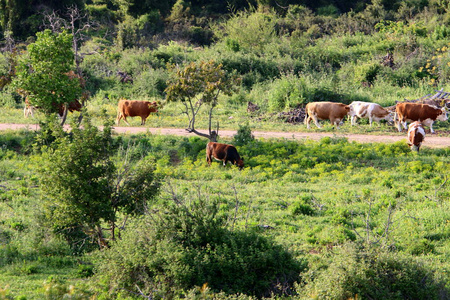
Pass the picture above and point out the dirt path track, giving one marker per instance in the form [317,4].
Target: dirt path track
[430,140]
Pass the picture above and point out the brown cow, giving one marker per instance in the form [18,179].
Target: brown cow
[416,135]
[424,113]
[135,108]
[372,111]
[335,112]
[225,153]
[72,106]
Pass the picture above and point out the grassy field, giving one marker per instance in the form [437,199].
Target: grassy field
[311,197]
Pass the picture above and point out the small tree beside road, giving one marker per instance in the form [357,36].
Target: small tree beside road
[198,84]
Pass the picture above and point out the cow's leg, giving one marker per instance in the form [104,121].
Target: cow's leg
[143,120]
[399,125]
[125,120]
[431,128]
[225,160]
[353,119]
[208,159]
[405,125]
[316,121]
[307,121]
[119,116]
[370,121]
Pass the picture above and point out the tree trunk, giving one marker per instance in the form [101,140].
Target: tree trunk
[64,116]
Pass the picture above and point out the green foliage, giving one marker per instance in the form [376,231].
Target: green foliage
[373,273]
[81,185]
[189,245]
[204,79]
[243,136]
[252,31]
[367,73]
[44,74]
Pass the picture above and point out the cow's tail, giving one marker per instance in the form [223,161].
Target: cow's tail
[306,115]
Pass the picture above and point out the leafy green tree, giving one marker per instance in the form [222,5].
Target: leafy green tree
[45,72]
[83,189]
[203,80]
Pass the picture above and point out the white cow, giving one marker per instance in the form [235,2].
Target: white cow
[372,111]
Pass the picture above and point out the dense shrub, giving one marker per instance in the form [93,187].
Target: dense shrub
[188,245]
[374,274]
[243,136]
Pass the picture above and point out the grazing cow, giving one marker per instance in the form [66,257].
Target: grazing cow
[416,135]
[335,112]
[72,106]
[135,108]
[225,153]
[424,113]
[372,111]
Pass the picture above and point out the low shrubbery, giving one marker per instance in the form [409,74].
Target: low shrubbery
[360,272]
[190,244]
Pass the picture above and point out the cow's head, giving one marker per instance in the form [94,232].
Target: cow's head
[416,135]
[443,116]
[153,106]
[390,118]
[240,163]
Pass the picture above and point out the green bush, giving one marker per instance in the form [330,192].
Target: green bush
[370,273]
[243,136]
[150,83]
[188,245]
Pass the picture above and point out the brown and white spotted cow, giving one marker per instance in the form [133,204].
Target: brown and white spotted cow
[135,108]
[372,111]
[416,135]
[425,113]
[225,153]
[335,112]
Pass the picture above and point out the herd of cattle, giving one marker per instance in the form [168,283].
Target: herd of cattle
[419,114]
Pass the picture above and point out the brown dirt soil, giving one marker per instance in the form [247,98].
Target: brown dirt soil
[431,141]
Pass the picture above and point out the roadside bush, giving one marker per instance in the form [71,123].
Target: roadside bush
[243,136]
[372,273]
[188,245]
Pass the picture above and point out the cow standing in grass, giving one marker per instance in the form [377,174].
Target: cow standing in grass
[372,111]
[335,112]
[135,108]
[424,113]
[416,135]
[225,153]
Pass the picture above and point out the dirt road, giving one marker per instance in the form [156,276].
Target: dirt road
[431,141]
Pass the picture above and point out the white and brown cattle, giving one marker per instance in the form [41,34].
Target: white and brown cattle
[135,108]
[372,111]
[425,113]
[416,135]
[225,153]
[335,112]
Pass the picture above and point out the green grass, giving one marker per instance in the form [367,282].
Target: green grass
[309,196]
